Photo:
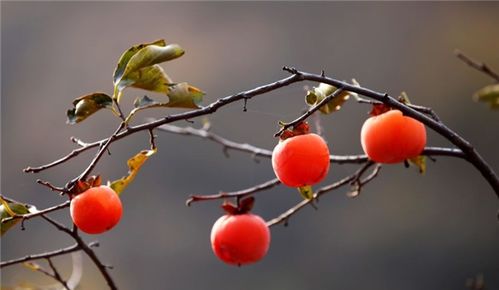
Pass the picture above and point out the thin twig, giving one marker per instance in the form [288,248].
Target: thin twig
[358,183]
[284,217]
[152,139]
[56,275]
[55,253]
[78,142]
[480,66]
[97,157]
[424,110]
[38,213]
[309,112]
[50,186]
[240,193]
[226,143]
[85,248]
[261,152]
[120,112]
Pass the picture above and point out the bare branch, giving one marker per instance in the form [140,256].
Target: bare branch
[38,213]
[85,248]
[284,217]
[480,66]
[241,193]
[358,183]
[309,112]
[59,252]
[261,152]
[99,154]
[209,109]
[50,186]
[424,110]
[469,151]
[56,275]
[226,143]
[471,154]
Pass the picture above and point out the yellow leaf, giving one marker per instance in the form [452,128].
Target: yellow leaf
[488,94]
[183,95]
[306,192]
[317,94]
[151,78]
[32,266]
[419,162]
[85,106]
[147,56]
[127,55]
[134,165]
[10,210]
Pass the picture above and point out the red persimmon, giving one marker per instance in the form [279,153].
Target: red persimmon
[96,210]
[392,137]
[240,239]
[301,160]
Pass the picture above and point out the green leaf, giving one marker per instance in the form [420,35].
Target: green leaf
[488,94]
[127,55]
[151,78]
[306,192]
[134,165]
[317,94]
[183,95]
[85,106]
[419,162]
[8,209]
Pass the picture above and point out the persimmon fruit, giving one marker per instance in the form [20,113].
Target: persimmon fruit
[96,210]
[301,160]
[392,137]
[240,239]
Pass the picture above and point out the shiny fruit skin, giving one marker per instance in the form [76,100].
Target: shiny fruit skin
[96,210]
[301,160]
[392,137]
[240,239]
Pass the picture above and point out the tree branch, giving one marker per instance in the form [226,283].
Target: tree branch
[53,273]
[309,112]
[85,248]
[480,66]
[261,152]
[59,252]
[240,193]
[38,213]
[469,151]
[284,217]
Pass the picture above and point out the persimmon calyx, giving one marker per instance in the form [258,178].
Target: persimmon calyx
[245,206]
[301,128]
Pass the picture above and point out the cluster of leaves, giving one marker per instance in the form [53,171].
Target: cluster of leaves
[138,67]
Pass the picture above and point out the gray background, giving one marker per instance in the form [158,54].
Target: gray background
[405,231]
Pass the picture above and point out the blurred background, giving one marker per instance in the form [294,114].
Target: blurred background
[405,231]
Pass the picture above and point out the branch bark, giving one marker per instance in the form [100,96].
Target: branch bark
[55,253]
